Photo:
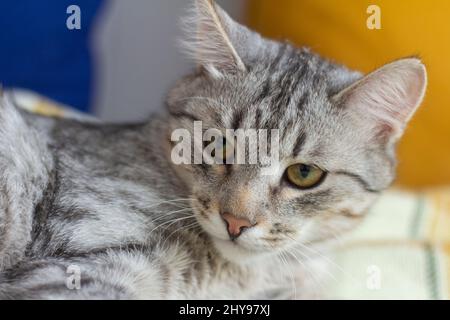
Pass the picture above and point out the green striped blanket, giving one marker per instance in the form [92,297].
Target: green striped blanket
[401,251]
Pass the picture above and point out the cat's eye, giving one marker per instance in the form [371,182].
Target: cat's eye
[222,150]
[304,176]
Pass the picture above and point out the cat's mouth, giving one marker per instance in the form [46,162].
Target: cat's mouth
[243,249]
[236,250]
[236,238]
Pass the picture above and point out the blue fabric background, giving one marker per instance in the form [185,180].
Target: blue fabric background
[38,52]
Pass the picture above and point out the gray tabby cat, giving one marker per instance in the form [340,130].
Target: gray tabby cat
[106,205]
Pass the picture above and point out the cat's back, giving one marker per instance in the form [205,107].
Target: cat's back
[105,186]
[101,187]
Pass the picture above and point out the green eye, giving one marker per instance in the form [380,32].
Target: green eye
[304,176]
[222,150]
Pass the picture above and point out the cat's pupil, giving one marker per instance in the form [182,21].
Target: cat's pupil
[224,148]
[221,147]
[304,171]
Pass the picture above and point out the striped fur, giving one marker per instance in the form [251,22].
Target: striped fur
[107,200]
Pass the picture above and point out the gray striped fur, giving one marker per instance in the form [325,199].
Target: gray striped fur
[108,200]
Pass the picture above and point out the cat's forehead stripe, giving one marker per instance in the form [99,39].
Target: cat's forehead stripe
[265,91]
[299,144]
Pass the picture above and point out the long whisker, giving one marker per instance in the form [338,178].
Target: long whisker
[171,201]
[294,287]
[345,273]
[170,222]
[303,254]
[182,228]
[310,272]
[185,211]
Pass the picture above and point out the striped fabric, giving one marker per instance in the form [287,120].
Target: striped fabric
[401,251]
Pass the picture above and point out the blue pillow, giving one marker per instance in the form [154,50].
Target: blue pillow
[40,53]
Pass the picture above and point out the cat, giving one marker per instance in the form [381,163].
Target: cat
[90,210]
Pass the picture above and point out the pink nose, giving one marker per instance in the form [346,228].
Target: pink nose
[235,225]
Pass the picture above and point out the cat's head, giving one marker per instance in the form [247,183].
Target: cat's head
[337,135]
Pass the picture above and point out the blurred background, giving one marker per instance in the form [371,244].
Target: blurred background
[122,61]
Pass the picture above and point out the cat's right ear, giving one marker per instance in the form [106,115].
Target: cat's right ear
[385,100]
[217,43]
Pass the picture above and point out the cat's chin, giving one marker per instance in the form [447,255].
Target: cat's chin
[235,253]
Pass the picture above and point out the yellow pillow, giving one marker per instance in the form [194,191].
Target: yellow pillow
[338,30]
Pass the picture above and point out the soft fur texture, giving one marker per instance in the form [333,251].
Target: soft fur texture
[108,200]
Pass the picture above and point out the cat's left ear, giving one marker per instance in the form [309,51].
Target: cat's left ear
[386,99]
[215,41]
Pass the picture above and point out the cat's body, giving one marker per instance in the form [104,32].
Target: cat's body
[107,212]
[105,204]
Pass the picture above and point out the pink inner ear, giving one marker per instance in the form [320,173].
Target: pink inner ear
[388,97]
[384,132]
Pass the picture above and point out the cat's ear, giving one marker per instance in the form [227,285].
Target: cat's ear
[386,99]
[214,39]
